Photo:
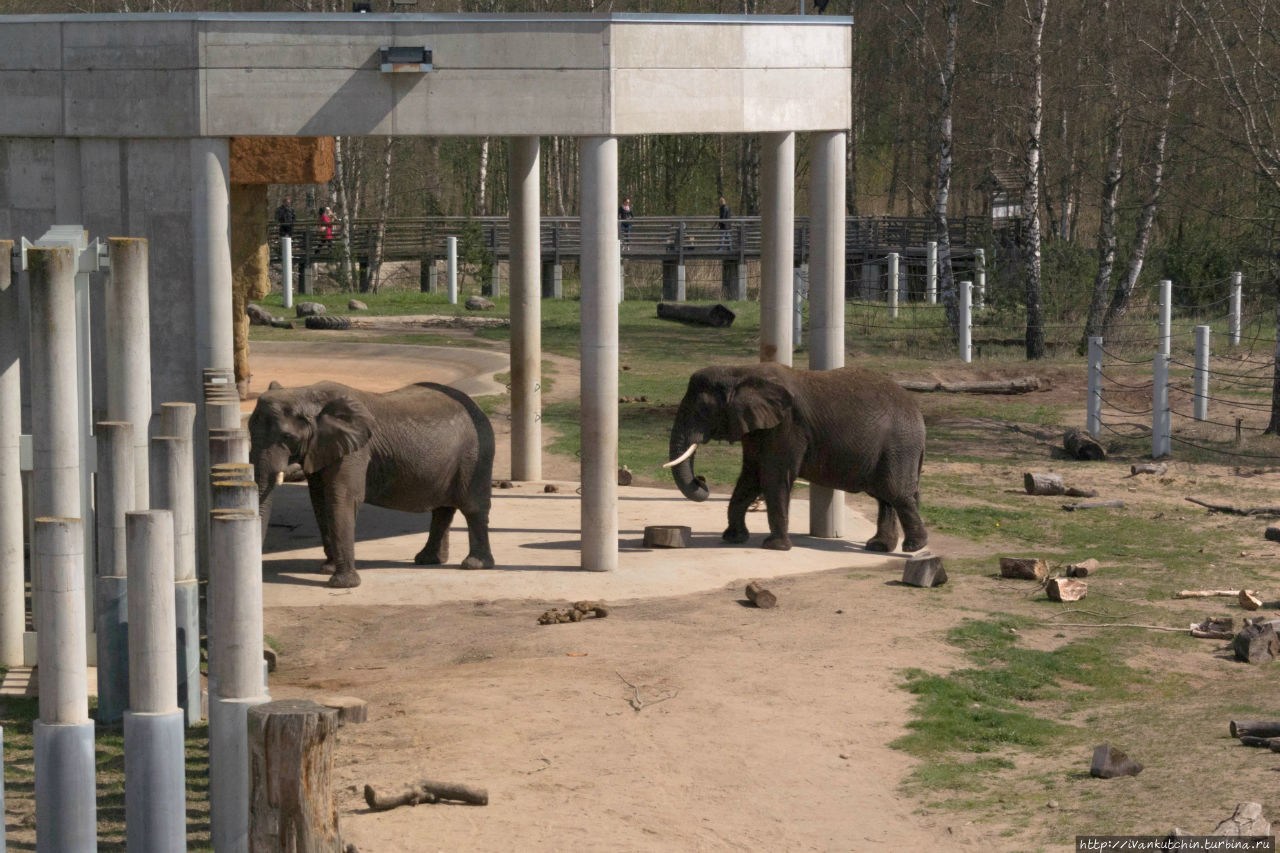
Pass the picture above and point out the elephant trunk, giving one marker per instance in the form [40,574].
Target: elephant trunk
[682,439]
[268,473]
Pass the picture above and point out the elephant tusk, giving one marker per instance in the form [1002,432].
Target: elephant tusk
[683,456]
[280,478]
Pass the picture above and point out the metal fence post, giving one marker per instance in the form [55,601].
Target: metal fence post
[1166,315]
[452,244]
[1160,406]
[1233,321]
[931,272]
[1093,421]
[1202,373]
[286,270]
[893,284]
[966,321]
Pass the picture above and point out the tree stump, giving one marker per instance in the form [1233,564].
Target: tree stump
[1066,589]
[1255,728]
[1024,568]
[1256,644]
[1043,484]
[1109,762]
[667,536]
[1083,569]
[924,571]
[761,597]
[1272,533]
[291,802]
[351,709]
[1248,600]
[1082,446]
[1156,468]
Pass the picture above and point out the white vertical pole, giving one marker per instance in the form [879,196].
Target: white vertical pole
[12,589]
[931,272]
[622,281]
[211,258]
[129,352]
[451,269]
[599,194]
[1160,406]
[1166,315]
[980,278]
[1201,402]
[286,270]
[778,281]
[173,489]
[526,311]
[116,497]
[966,321]
[826,295]
[1093,422]
[1233,323]
[893,284]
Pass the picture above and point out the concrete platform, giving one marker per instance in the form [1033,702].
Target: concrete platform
[535,541]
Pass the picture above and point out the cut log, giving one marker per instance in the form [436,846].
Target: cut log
[1094,505]
[998,386]
[624,476]
[1271,743]
[717,316]
[1207,593]
[291,803]
[410,321]
[1255,728]
[425,791]
[924,571]
[1247,821]
[350,708]
[1084,568]
[1214,628]
[761,597]
[667,536]
[1024,568]
[1109,762]
[1042,484]
[1272,533]
[1156,468]
[1081,445]
[1072,492]
[1256,644]
[1248,600]
[1066,589]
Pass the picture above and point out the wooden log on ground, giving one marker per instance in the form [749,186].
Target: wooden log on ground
[1066,589]
[1206,593]
[1094,505]
[1256,644]
[291,802]
[1271,743]
[1084,568]
[1024,568]
[1248,600]
[425,791]
[1024,385]
[1214,628]
[1156,468]
[716,316]
[924,571]
[624,476]
[761,597]
[1272,533]
[1081,445]
[1235,510]
[667,536]
[413,321]
[1255,728]
[351,709]
[1109,762]
[1042,484]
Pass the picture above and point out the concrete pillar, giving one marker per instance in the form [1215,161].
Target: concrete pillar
[1093,408]
[228,445]
[826,295]
[12,587]
[777,244]
[552,280]
[451,269]
[733,280]
[1166,315]
[129,351]
[173,488]
[526,311]
[154,752]
[1233,319]
[211,255]
[1200,401]
[893,285]
[65,790]
[931,272]
[235,671]
[222,414]
[966,321]
[1160,440]
[178,420]
[286,270]
[235,494]
[599,206]
[673,281]
[116,497]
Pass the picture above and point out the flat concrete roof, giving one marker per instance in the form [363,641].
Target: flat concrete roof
[285,74]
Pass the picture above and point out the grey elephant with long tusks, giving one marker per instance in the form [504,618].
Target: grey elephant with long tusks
[847,429]
[421,448]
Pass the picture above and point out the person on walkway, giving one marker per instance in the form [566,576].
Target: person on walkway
[285,217]
[326,227]
[624,217]
[726,239]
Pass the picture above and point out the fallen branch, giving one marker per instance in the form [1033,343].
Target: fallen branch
[1235,510]
[1207,593]
[425,791]
[1119,625]
[636,702]
[1002,386]
[413,321]
[1093,505]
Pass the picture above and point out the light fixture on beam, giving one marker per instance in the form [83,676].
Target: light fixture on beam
[400,59]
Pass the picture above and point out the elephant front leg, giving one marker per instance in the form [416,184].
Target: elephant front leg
[886,538]
[745,491]
[479,557]
[777,499]
[316,486]
[436,551]
[343,504]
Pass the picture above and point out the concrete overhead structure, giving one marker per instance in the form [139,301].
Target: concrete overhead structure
[122,122]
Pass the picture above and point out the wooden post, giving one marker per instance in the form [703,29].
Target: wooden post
[291,803]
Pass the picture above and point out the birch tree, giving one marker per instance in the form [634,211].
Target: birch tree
[1036,13]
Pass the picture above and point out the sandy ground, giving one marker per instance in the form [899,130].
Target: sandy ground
[686,720]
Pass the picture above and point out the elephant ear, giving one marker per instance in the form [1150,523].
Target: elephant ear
[343,426]
[757,404]
[274,386]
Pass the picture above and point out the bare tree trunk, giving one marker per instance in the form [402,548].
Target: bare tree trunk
[481,190]
[1146,218]
[557,173]
[1036,10]
[340,178]
[1110,190]
[375,263]
[942,198]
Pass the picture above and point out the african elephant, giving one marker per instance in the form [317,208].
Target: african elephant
[418,448]
[845,429]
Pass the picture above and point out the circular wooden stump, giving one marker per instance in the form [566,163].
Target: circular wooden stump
[667,536]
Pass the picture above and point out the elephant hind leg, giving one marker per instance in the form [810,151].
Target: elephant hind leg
[886,538]
[436,551]
[479,556]
[915,534]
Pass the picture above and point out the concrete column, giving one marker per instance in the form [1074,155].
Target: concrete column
[12,587]
[228,445]
[451,268]
[1166,315]
[826,295]
[777,244]
[286,270]
[155,793]
[552,280]
[129,351]
[235,494]
[1233,320]
[211,255]
[931,272]
[178,420]
[893,285]
[55,430]
[966,321]
[222,414]
[673,281]
[66,807]
[173,488]
[1160,441]
[599,205]
[1093,409]
[526,311]
[1200,401]
[116,497]
[235,671]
